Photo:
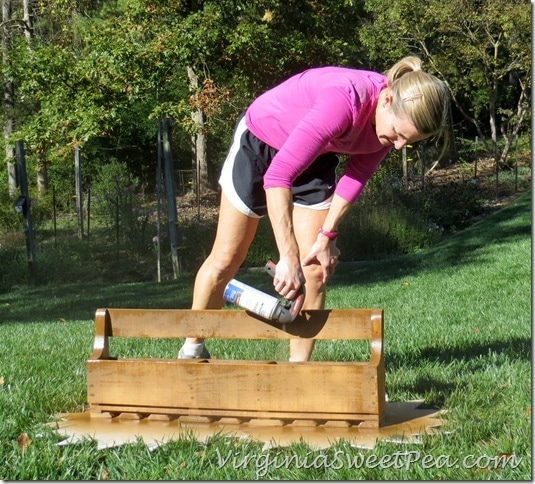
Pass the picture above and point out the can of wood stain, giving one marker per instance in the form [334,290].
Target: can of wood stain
[256,301]
[276,309]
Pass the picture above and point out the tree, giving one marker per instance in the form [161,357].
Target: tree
[32,76]
[109,75]
[243,48]
[477,46]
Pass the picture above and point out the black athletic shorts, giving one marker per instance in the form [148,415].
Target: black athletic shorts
[242,176]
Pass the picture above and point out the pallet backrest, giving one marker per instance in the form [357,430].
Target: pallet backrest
[333,324]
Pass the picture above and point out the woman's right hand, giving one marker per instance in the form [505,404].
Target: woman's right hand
[289,277]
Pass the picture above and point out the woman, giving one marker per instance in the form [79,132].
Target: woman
[282,163]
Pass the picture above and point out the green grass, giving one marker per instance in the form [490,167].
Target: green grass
[457,336]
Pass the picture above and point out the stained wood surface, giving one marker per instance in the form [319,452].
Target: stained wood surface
[361,324]
[231,324]
[309,391]
[236,385]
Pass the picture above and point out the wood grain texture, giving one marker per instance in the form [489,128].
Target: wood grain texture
[309,391]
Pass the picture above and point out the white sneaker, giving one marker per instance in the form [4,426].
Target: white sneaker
[204,354]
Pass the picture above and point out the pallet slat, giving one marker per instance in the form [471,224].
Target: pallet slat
[234,324]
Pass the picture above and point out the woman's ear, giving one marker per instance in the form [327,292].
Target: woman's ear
[387,97]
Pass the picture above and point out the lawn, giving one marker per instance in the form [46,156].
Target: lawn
[457,336]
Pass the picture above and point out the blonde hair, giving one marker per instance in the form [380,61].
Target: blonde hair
[420,96]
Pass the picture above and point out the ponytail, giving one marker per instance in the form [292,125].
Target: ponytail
[405,65]
[420,96]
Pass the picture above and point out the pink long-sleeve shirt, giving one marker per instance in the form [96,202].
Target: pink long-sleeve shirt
[326,109]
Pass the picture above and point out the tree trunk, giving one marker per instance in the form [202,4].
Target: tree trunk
[42,173]
[492,102]
[9,99]
[171,196]
[200,161]
[511,132]
[28,27]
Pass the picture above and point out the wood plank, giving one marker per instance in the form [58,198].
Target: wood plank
[344,388]
[305,419]
[239,324]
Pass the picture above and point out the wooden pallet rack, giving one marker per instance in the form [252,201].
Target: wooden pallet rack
[306,393]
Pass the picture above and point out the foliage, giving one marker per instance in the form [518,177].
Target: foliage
[127,65]
[13,261]
[392,217]
[109,66]
[263,247]
[9,220]
[481,49]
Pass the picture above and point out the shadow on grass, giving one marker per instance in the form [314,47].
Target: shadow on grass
[80,301]
[472,353]
[518,348]
[472,357]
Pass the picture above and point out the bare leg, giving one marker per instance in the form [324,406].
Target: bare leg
[235,232]
[307,223]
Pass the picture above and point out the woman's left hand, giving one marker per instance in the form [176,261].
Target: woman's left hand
[326,254]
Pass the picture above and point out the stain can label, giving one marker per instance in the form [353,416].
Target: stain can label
[249,298]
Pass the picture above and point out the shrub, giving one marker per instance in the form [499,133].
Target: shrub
[9,219]
[373,231]
[13,260]
[119,200]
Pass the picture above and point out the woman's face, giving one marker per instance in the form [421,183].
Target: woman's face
[392,130]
